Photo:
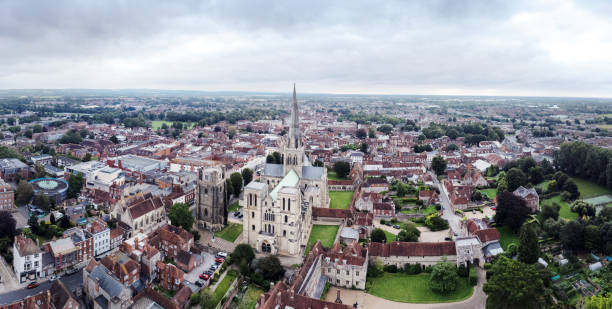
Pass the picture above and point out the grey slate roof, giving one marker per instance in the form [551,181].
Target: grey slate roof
[273,170]
[312,172]
[108,283]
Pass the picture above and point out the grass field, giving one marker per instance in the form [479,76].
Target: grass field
[415,210]
[230,232]
[565,211]
[390,236]
[491,193]
[224,285]
[414,289]
[250,298]
[325,233]
[234,207]
[340,199]
[331,175]
[156,124]
[589,189]
[507,237]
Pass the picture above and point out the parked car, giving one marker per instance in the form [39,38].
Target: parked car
[219,260]
[237,213]
[240,216]
[396,227]
[72,271]
[53,278]
[209,272]
[204,276]
[447,238]
[222,254]
[473,211]
[388,223]
[32,285]
[199,283]
[493,208]
[214,267]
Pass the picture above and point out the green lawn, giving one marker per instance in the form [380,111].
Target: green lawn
[405,288]
[390,236]
[491,193]
[156,124]
[230,232]
[234,207]
[325,233]
[565,211]
[507,237]
[251,297]
[340,199]
[331,175]
[415,210]
[590,189]
[224,285]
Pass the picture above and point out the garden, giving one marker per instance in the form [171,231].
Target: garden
[441,283]
[340,199]
[230,232]
[325,233]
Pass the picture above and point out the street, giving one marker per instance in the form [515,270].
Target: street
[72,282]
[447,212]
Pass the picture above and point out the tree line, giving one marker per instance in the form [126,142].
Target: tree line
[585,161]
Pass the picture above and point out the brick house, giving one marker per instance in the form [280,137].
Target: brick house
[171,240]
[7,196]
[170,276]
[531,197]
[429,197]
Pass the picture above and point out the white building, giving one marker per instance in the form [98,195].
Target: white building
[27,259]
[101,236]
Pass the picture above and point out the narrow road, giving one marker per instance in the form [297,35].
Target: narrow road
[71,281]
[447,213]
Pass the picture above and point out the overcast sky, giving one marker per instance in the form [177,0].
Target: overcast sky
[552,48]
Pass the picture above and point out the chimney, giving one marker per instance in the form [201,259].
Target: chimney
[98,285]
[278,298]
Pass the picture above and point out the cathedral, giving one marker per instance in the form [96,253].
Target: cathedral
[278,207]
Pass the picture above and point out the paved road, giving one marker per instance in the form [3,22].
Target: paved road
[448,213]
[72,282]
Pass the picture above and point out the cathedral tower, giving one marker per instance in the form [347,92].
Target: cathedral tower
[294,148]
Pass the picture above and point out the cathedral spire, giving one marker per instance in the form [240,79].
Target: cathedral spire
[295,136]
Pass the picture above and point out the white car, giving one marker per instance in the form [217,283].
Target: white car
[53,278]
[222,254]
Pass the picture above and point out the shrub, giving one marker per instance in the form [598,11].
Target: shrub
[194,298]
[463,271]
[438,207]
[390,268]
[412,269]
[383,221]
[473,280]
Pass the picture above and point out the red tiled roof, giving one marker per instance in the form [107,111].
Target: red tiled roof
[487,235]
[398,248]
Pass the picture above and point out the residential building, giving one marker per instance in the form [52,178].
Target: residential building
[7,196]
[101,236]
[27,259]
[170,277]
[531,197]
[103,289]
[12,169]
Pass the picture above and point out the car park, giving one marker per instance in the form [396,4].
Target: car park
[32,285]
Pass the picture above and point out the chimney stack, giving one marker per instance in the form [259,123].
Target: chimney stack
[338,300]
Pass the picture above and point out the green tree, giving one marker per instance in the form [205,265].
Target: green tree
[511,211]
[24,193]
[180,215]
[550,211]
[342,168]
[364,148]
[247,175]
[243,252]
[236,179]
[207,299]
[410,233]
[529,248]
[229,189]
[231,133]
[52,218]
[592,238]
[513,285]
[361,133]
[378,235]
[28,133]
[438,165]
[114,139]
[583,208]
[385,128]
[596,302]
[39,171]
[443,278]
[75,184]
[372,132]
[87,157]
[572,235]
[515,178]
[43,202]
[271,268]
[318,163]
[7,225]
[34,224]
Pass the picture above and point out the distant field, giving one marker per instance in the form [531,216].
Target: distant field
[156,124]
[605,126]
[589,189]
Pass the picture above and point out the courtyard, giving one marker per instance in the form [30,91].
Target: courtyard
[340,199]
[406,288]
[325,233]
[230,232]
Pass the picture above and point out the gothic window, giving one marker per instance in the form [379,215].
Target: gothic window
[273,229]
[289,204]
[205,212]
[284,233]
[252,214]
[283,203]
[250,199]
[253,227]
[255,199]
[205,190]
[285,219]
